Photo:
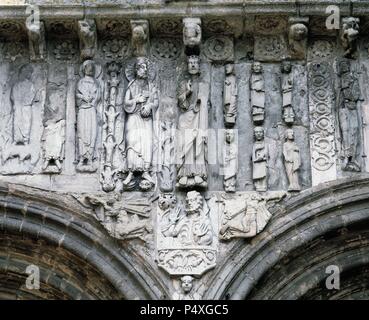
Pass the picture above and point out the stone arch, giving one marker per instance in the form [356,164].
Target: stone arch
[325,225]
[76,256]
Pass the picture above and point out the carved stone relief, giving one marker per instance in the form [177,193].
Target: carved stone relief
[244,215]
[140,106]
[292,160]
[349,124]
[186,291]
[88,96]
[260,156]
[192,35]
[288,113]
[37,42]
[270,48]
[87,38]
[230,93]
[297,38]
[140,37]
[186,234]
[230,161]
[322,133]
[257,93]
[219,48]
[193,99]
[349,36]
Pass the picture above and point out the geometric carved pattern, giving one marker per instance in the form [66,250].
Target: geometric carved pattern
[321,120]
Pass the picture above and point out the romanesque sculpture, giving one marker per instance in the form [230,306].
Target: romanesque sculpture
[288,114]
[348,99]
[230,161]
[124,219]
[140,36]
[349,36]
[192,227]
[257,93]
[140,105]
[322,129]
[230,96]
[36,40]
[246,215]
[297,36]
[260,157]
[108,175]
[193,97]
[187,290]
[88,96]
[192,34]
[292,160]
[87,38]
[186,240]
[23,96]
[53,146]
[167,161]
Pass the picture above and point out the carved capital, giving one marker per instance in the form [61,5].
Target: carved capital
[87,38]
[140,37]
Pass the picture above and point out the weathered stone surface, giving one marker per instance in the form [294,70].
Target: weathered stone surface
[142,139]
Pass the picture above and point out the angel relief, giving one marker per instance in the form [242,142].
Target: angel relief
[140,106]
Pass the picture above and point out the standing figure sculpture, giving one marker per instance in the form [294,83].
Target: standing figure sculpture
[287,85]
[292,160]
[87,98]
[140,104]
[193,96]
[348,116]
[230,96]
[23,96]
[230,161]
[257,93]
[260,156]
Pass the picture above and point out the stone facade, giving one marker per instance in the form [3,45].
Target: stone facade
[175,140]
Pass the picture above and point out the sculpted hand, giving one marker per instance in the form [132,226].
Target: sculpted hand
[141,99]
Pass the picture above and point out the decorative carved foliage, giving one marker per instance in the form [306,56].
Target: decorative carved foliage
[117,28]
[63,29]
[11,29]
[321,49]
[65,50]
[167,27]
[270,48]
[219,48]
[166,48]
[267,25]
[115,49]
[218,26]
[14,50]
[322,144]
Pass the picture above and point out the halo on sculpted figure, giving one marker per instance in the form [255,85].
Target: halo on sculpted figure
[130,70]
[98,68]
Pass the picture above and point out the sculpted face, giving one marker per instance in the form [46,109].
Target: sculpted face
[26,72]
[257,68]
[187,283]
[193,202]
[193,65]
[229,136]
[89,69]
[286,67]
[299,31]
[259,133]
[229,68]
[290,134]
[141,70]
